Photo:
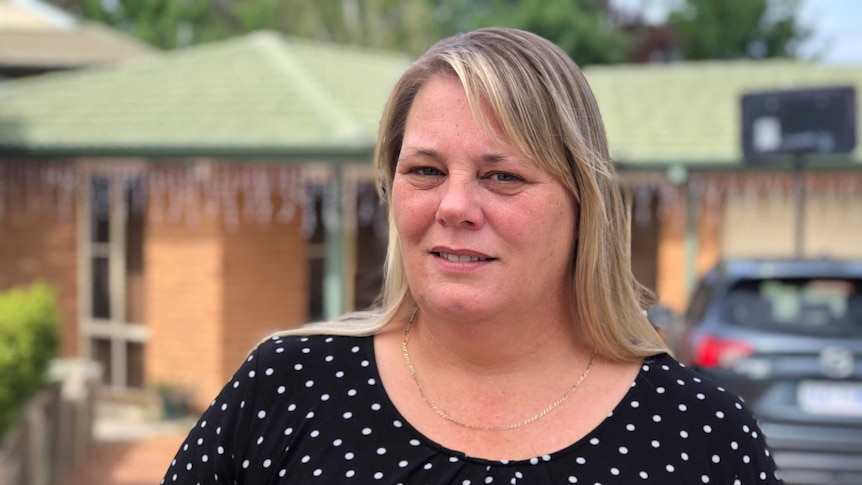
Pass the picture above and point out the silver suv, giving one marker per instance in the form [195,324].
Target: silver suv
[786,335]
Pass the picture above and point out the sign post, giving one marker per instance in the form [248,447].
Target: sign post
[796,123]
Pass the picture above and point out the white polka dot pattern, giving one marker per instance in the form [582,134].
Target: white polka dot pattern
[310,410]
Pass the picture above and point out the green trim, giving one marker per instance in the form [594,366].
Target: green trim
[812,162]
[333,277]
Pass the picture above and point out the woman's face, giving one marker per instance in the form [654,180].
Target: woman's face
[484,230]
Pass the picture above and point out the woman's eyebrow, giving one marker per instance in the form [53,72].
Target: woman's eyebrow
[435,155]
[432,154]
[421,152]
[495,158]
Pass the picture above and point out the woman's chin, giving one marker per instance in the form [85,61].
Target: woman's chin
[459,308]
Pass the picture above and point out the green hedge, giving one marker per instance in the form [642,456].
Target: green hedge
[29,337]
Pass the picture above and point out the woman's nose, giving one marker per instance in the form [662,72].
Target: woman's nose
[459,204]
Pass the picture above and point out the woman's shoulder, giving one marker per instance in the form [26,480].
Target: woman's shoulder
[355,324]
[685,392]
[663,370]
[311,347]
[690,424]
[292,364]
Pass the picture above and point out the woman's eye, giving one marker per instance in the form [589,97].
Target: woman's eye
[426,171]
[504,177]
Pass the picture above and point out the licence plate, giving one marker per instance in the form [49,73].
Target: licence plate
[830,398]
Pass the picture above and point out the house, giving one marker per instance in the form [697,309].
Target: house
[674,131]
[188,205]
[36,37]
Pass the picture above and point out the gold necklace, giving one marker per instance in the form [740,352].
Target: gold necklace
[443,414]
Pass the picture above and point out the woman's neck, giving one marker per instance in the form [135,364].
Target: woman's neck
[499,345]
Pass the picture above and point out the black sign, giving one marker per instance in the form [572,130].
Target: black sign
[799,121]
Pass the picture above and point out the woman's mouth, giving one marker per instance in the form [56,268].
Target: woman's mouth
[461,258]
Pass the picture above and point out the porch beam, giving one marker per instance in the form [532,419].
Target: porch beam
[333,277]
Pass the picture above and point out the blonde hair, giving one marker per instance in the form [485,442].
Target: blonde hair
[544,106]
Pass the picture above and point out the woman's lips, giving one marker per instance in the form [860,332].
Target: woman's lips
[461,258]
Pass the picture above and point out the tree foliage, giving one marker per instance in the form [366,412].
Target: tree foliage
[162,23]
[730,29]
[29,339]
[585,29]
[390,24]
[590,31]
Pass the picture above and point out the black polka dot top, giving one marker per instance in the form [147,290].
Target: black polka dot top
[312,410]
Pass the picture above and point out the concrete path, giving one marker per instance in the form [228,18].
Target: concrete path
[130,447]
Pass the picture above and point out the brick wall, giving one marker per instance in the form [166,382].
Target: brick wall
[264,288]
[671,265]
[38,242]
[213,292]
[673,256]
[183,309]
[708,236]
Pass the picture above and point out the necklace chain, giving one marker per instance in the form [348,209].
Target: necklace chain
[443,414]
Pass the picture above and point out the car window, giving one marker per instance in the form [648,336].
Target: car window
[820,306]
[699,303]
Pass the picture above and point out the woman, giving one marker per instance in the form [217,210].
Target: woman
[511,344]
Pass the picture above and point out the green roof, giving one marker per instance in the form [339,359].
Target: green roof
[258,95]
[690,113]
[269,95]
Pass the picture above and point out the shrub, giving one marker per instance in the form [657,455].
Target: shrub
[29,337]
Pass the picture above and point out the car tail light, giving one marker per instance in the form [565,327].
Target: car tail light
[711,352]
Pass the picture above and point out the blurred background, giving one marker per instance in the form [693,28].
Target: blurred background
[179,179]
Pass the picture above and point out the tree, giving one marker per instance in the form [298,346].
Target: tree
[585,29]
[162,23]
[390,24]
[730,29]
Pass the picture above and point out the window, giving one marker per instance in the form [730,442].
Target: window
[822,306]
[113,330]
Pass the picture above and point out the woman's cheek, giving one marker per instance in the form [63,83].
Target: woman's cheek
[413,210]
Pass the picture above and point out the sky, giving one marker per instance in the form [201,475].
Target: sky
[836,24]
[837,29]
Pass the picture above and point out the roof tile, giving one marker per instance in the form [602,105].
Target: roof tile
[690,112]
[260,91]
